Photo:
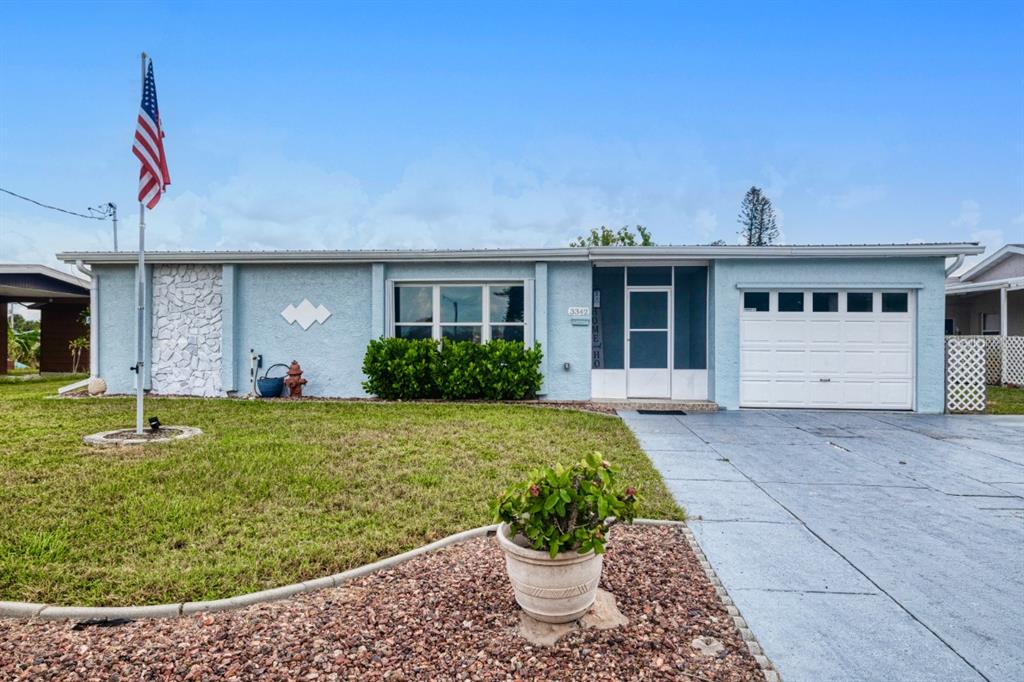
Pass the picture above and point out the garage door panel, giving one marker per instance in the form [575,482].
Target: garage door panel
[894,363]
[861,332]
[859,360]
[790,331]
[756,392]
[824,361]
[757,361]
[895,394]
[789,393]
[860,393]
[793,361]
[822,393]
[894,331]
[825,331]
[757,330]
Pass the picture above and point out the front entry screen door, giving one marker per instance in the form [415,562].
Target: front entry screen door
[648,341]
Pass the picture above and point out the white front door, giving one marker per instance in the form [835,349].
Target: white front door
[649,342]
[827,348]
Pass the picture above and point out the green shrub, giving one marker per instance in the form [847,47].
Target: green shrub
[404,369]
[401,369]
[560,509]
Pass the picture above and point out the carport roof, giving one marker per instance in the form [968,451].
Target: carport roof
[29,282]
[593,254]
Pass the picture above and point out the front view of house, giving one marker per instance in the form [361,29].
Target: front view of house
[858,327]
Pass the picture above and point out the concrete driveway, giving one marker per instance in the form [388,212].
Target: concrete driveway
[859,546]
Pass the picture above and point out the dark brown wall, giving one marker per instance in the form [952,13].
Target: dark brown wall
[60,325]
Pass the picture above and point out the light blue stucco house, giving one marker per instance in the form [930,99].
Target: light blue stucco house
[780,326]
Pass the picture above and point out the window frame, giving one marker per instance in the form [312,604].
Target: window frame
[906,302]
[875,302]
[826,292]
[743,300]
[484,325]
[985,330]
[777,295]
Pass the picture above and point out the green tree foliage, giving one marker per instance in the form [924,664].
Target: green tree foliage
[605,236]
[79,345]
[758,219]
[23,340]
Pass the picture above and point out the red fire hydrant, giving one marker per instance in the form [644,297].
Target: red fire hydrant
[294,380]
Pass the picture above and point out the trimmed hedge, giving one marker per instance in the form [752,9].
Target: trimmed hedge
[407,369]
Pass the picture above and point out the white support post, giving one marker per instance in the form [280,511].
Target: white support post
[1003,323]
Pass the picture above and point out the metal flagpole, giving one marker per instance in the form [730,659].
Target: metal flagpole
[141,294]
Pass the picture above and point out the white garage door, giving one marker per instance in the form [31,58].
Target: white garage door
[827,348]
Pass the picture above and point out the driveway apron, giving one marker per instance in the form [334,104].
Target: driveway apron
[859,546]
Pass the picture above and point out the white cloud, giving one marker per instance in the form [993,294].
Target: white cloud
[704,224]
[970,215]
[453,199]
[33,239]
[969,220]
[855,197]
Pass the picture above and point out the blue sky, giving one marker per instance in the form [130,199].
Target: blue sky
[325,125]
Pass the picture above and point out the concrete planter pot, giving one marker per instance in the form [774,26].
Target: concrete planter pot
[555,590]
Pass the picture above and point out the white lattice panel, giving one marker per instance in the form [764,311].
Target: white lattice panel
[1014,360]
[965,374]
[993,358]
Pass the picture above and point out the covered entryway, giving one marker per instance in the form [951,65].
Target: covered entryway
[61,299]
[827,348]
[649,338]
[649,332]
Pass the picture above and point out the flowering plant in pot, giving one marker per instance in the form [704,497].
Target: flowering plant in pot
[554,527]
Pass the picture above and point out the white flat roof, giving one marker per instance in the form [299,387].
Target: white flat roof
[593,253]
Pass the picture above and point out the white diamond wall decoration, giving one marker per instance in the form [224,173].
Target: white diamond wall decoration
[305,314]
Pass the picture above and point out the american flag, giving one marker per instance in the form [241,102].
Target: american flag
[149,145]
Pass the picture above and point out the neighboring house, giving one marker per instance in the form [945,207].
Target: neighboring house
[776,326]
[61,300]
[988,299]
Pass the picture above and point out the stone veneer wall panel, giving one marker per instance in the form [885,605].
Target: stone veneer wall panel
[187,329]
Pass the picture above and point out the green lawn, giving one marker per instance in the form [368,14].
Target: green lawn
[273,493]
[1005,400]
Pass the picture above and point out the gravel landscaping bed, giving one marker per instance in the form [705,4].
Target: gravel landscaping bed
[447,615]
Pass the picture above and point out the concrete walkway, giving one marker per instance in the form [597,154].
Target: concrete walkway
[859,546]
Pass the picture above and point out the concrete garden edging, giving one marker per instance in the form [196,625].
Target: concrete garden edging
[763,662]
[28,610]
[20,609]
[14,609]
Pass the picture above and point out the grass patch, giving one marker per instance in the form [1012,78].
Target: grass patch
[1004,400]
[272,493]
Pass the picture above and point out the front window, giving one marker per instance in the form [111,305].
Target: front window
[990,324]
[462,312]
[414,312]
[507,312]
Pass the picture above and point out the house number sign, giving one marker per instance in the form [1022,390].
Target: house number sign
[579,311]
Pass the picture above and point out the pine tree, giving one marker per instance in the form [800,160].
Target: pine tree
[758,219]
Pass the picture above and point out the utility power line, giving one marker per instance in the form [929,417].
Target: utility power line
[102,213]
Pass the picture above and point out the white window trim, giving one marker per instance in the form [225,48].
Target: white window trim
[485,324]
